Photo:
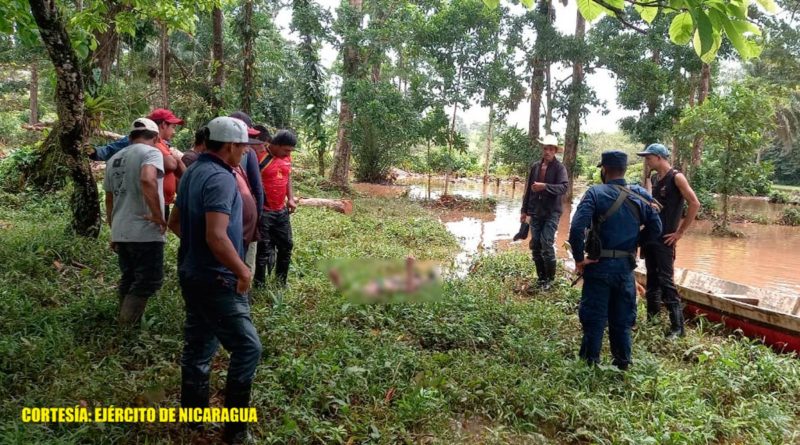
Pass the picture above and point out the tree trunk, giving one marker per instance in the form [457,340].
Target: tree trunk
[340,171]
[537,84]
[548,118]
[218,80]
[248,56]
[70,108]
[487,156]
[321,160]
[164,62]
[34,93]
[697,146]
[573,131]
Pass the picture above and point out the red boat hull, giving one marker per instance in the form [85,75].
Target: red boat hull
[778,339]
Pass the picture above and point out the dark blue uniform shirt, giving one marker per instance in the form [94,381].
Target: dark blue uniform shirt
[619,232]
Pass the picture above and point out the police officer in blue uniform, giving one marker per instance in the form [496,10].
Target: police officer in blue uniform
[615,212]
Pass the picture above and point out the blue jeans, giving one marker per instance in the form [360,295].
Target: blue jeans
[543,236]
[216,314]
[607,298]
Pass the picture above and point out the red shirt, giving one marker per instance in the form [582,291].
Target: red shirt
[275,174]
[170,181]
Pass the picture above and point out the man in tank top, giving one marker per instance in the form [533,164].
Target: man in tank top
[671,189]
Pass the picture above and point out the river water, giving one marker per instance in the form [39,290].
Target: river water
[767,256]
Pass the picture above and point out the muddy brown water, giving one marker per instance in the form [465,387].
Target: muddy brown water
[766,256]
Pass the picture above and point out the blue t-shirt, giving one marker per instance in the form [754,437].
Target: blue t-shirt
[209,185]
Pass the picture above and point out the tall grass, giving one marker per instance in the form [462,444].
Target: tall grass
[481,365]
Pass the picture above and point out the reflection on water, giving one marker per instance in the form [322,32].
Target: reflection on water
[753,207]
[766,257]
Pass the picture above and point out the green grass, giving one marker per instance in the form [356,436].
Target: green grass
[788,188]
[500,365]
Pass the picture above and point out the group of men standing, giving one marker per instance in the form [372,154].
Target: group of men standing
[611,223]
[232,196]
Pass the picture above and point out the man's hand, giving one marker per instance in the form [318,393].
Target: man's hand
[671,239]
[523,218]
[538,186]
[158,220]
[291,205]
[579,266]
[243,282]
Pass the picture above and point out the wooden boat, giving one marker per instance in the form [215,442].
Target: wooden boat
[772,316]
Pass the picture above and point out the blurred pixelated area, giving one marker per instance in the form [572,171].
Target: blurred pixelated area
[373,281]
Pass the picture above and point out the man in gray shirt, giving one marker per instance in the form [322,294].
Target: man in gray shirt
[134,210]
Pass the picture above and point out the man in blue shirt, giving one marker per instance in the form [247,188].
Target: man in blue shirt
[609,292]
[213,276]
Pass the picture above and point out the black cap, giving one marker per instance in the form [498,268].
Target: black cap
[614,158]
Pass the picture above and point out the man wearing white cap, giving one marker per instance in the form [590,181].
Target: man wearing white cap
[541,203]
[134,184]
[213,276]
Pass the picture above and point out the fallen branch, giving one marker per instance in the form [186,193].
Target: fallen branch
[340,205]
[41,126]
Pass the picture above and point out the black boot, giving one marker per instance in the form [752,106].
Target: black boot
[653,305]
[550,273]
[541,273]
[131,310]
[260,275]
[194,395]
[675,321]
[236,396]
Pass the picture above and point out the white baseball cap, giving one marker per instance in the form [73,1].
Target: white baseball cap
[144,123]
[549,139]
[228,129]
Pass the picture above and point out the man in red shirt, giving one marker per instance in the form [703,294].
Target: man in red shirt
[173,167]
[275,247]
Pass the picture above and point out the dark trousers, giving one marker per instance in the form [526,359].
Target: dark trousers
[607,298]
[142,267]
[217,314]
[274,250]
[660,261]
[543,236]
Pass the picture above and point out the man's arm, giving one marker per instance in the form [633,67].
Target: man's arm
[580,222]
[254,178]
[148,177]
[562,182]
[174,222]
[105,152]
[170,163]
[223,250]
[109,206]
[527,192]
[290,197]
[694,206]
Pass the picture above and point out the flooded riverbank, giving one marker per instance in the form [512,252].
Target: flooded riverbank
[765,257]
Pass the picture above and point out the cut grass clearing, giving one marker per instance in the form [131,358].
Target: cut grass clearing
[481,365]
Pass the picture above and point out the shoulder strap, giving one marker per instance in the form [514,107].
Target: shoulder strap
[623,194]
[265,162]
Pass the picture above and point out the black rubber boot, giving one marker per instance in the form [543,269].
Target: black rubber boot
[541,273]
[550,273]
[194,395]
[653,305]
[236,396]
[131,310]
[260,276]
[675,321]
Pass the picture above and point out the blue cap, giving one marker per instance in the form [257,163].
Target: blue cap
[655,149]
[614,158]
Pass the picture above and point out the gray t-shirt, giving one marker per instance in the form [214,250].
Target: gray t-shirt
[122,179]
